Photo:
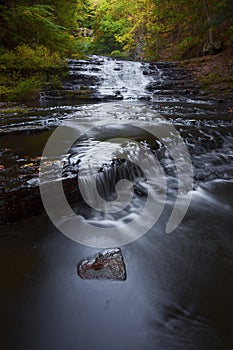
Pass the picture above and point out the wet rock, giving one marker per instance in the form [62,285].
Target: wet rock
[118,95]
[106,265]
[81,93]
[95,69]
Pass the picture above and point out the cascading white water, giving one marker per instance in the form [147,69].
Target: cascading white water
[124,79]
[96,154]
[114,79]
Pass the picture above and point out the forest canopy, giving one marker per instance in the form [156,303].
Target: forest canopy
[152,29]
[141,29]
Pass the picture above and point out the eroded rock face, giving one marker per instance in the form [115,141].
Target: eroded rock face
[106,265]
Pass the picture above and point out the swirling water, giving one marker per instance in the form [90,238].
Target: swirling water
[178,292]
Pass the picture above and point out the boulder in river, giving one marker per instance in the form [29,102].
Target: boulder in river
[106,265]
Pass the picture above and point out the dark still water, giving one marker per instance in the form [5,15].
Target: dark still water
[179,288]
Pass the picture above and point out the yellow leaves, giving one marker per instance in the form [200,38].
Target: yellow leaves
[165,35]
[27,12]
[27,165]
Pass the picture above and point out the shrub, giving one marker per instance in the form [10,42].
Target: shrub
[25,70]
[187,45]
[118,54]
[26,90]
[209,79]
[26,58]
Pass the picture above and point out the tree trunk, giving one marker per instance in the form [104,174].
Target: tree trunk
[211,32]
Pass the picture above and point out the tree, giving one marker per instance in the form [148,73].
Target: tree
[210,23]
[47,23]
[109,23]
[150,29]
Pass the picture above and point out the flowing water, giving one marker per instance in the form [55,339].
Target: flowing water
[179,287]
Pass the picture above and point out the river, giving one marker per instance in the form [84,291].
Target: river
[179,288]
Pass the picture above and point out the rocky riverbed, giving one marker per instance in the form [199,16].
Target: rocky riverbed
[168,87]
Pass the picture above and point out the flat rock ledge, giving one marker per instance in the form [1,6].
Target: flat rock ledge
[108,264]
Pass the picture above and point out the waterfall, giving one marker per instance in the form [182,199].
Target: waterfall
[124,79]
[105,78]
[110,78]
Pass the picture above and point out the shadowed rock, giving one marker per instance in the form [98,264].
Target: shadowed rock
[106,265]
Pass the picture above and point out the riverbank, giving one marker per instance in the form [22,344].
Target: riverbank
[25,71]
[214,73]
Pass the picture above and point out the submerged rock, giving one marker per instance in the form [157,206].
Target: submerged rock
[107,264]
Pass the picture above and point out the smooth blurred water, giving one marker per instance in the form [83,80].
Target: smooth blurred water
[178,292]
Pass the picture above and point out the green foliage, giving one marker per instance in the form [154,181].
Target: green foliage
[186,45]
[23,57]
[143,29]
[41,25]
[230,37]
[24,71]
[26,90]
[150,29]
[35,36]
[209,79]
[109,23]
[118,54]
[67,12]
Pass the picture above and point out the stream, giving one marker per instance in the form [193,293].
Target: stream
[179,288]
